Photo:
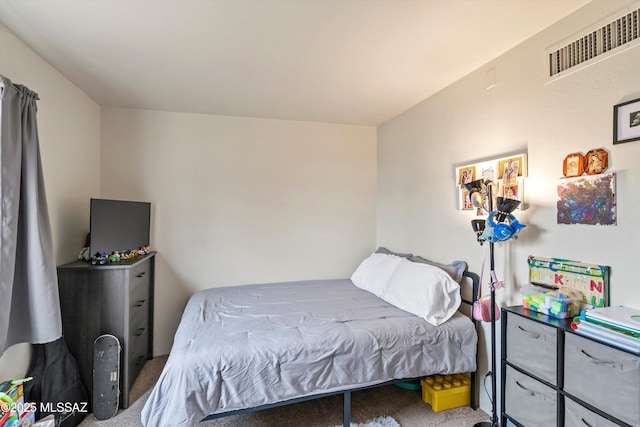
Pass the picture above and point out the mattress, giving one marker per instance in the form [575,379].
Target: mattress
[246,346]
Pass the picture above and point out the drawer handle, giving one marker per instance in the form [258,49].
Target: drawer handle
[140,331]
[530,392]
[142,274]
[533,335]
[140,303]
[599,362]
[585,422]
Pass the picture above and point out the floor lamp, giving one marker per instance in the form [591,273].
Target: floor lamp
[500,225]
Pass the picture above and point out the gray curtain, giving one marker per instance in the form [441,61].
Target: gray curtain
[29,302]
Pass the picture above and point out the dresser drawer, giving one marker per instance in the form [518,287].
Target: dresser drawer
[139,309]
[595,373]
[139,338]
[529,401]
[576,415]
[138,353]
[532,346]
[140,274]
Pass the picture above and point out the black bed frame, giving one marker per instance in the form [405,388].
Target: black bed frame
[346,413]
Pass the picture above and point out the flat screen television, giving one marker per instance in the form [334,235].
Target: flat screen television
[118,225]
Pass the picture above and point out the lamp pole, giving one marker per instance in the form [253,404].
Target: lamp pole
[494,415]
[497,232]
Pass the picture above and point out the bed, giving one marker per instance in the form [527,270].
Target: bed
[257,346]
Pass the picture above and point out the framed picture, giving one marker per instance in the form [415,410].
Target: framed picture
[573,165]
[510,168]
[466,174]
[626,122]
[595,161]
[514,191]
[506,175]
[465,201]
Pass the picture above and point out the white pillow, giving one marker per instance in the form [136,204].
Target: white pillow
[424,290]
[374,272]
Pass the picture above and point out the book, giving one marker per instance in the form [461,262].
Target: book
[621,318]
[604,331]
[606,336]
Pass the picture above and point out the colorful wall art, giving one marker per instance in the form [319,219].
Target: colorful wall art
[587,200]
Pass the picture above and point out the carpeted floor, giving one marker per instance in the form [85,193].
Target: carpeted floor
[405,406]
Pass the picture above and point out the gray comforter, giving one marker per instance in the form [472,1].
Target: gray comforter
[246,346]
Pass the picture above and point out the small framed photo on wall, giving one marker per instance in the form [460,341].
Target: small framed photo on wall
[573,165]
[595,161]
[626,122]
[510,168]
[466,174]
[514,191]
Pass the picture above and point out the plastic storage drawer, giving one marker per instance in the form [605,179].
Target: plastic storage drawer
[529,401]
[595,372]
[576,415]
[532,346]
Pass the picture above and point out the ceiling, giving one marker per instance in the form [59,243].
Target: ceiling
[340,61]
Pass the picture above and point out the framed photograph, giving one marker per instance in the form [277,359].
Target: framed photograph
[573,165]
[626,122]
[595,161]
[465,202]
[466,174]
[510,168]
[514,191]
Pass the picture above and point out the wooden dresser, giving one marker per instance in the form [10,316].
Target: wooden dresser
[114,299]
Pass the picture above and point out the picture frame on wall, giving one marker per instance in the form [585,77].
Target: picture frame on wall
[510,168]
[595,161]
[514,191]
[573,165]
[626,122]
[466,174]
[506,175]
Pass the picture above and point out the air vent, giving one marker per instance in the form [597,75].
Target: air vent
[598,43]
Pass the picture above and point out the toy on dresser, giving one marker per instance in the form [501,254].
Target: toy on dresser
[561,304]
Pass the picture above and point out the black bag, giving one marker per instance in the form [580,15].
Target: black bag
[56,387]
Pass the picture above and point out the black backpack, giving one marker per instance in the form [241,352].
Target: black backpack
[56,387]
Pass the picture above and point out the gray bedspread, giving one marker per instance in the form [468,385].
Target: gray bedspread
[246,346]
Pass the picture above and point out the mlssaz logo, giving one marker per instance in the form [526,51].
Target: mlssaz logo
[63,407]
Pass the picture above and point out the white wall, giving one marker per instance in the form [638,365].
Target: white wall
[419,150]
[69,131]
[241,200]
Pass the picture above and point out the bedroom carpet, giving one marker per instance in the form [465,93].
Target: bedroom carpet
[378,422]
[404,406]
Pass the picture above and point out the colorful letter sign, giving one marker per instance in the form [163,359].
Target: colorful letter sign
[590,279]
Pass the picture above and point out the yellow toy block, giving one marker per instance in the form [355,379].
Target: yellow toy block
[446,391]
